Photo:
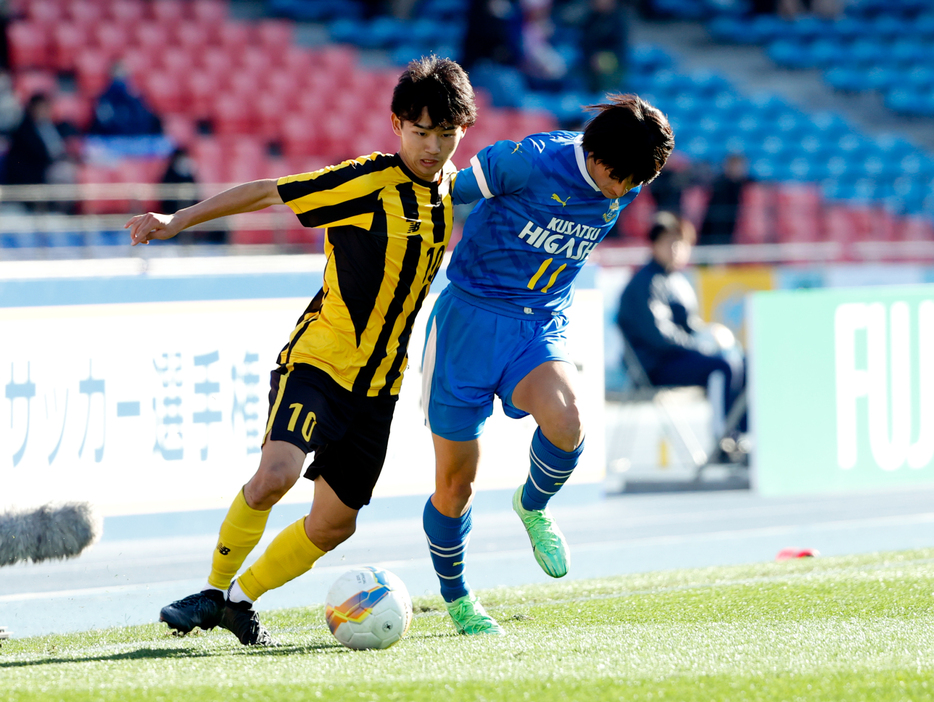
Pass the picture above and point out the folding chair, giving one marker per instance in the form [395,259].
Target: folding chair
[677,430]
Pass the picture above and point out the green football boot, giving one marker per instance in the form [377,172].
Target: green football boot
[470,617]
[548,543]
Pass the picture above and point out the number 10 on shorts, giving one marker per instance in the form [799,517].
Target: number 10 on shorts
[308,425]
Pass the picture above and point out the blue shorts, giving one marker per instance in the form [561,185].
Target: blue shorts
[473,353]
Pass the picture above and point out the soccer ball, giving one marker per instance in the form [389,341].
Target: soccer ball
[368,608]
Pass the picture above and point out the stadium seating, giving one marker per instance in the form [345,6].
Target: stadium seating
[249,100]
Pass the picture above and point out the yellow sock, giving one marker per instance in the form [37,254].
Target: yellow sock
[289,555]
[240,531]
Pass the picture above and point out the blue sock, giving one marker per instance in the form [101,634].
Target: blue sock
[549,469]
[447,543]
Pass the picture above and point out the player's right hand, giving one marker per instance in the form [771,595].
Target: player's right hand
[146,227]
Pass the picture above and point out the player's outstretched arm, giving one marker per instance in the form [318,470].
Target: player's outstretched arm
[248,197]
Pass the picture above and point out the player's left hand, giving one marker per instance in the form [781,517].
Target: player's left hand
[146,227]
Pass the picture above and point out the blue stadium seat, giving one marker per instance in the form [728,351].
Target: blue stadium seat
[881,78]
[849,80]
[649,58]
[826,53]
[789,53]
[865,52]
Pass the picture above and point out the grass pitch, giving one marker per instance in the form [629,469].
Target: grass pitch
[854,628]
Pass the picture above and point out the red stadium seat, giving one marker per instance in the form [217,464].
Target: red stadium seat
[916,229]
[254,59]
[96,174]
[93,69]
[29,83]
[694,202]
[45,13]
[163,92]
[202,89]
[233,115]
[209,12]
[235,35]
[216,62]
[270,115]
[74,109]
[299,137]
[275,35]
[295,61]
[137,64]
[153,38]
[127,13]
[69,40]
[110,38]
[180,128]
[753,224]
[195,36]
[636,220]
[169,12]
[210,159]
[178,62]
[798,213]
[85,14]
[28,46]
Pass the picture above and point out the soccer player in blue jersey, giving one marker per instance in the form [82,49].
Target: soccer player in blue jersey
[498,328]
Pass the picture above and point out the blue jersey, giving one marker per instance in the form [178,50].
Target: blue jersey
[540,214]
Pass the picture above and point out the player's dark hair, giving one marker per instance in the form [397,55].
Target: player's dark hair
[439,84]
[629,137]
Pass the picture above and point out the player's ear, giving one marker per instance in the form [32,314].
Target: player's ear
[396,124]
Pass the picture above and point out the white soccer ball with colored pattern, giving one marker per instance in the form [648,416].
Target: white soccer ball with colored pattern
[368,608]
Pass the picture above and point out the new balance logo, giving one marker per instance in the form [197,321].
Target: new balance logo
[223,550]
[414,225]
[564,202]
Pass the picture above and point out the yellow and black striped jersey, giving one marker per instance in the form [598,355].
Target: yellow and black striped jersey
[387,231]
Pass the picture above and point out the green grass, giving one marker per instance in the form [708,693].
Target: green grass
[855,628]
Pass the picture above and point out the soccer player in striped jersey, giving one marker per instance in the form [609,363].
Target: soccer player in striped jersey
[498,328]
[389,220]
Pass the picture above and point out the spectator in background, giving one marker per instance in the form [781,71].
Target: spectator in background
[668,188]
[494,33]
[543,65]
[121,110]
[658,316]
[605,30]
[37,151]
[790,9]
[725,195]
[11,112]
[181,170]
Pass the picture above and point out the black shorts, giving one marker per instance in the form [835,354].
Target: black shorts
[348,433]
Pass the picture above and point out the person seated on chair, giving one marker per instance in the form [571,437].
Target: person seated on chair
[659,319]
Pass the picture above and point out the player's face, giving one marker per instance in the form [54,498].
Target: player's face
[425,149]
[609,186]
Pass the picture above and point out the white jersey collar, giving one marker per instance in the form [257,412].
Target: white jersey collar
[582,160]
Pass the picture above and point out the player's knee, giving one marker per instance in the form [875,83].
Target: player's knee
[565,430]
[329,535]
[453,495]
[270,483]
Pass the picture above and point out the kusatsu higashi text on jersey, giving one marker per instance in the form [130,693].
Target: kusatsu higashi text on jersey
[387,231]
[539,216]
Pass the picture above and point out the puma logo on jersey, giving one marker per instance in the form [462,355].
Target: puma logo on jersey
[554,196]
